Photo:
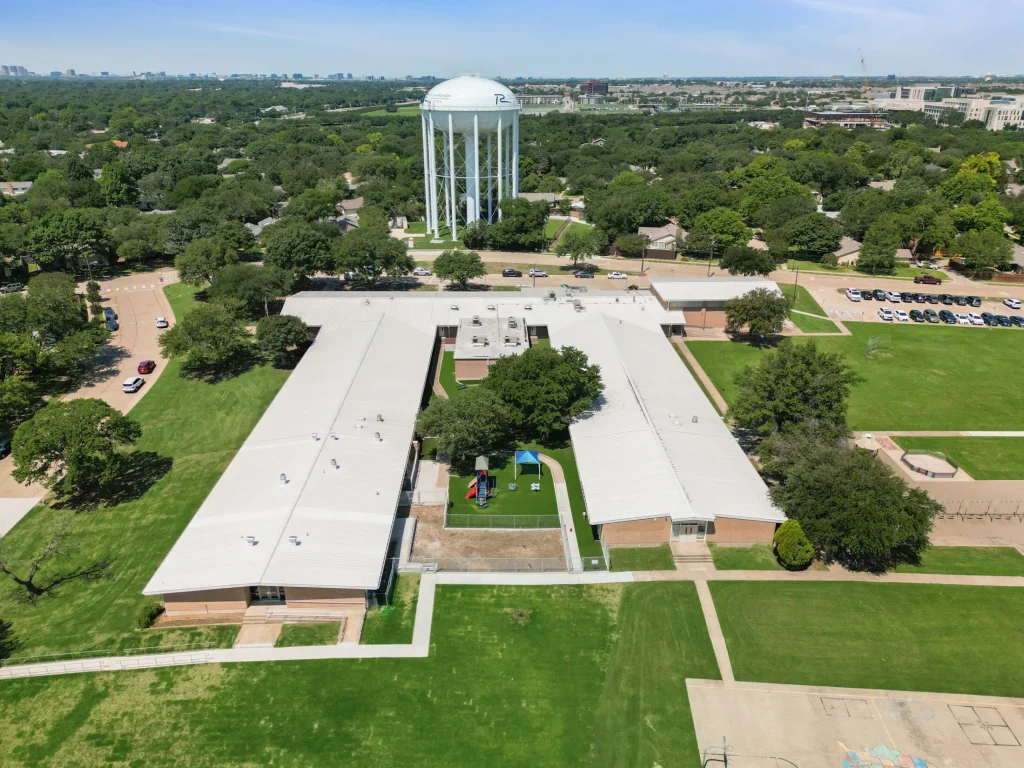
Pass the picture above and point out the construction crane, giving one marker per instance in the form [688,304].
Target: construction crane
[867,83]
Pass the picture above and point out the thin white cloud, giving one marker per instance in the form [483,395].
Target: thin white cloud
[247,31]
[872,11]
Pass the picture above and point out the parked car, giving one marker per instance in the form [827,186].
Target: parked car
[867,295]
[885,313]
[1017,320]
[583,274]
[927,280]
[1012,303]
[147,366]
[988,318]
[945,298]
[893,296]
[974,301]
[853,294]
[616,276]
[422,272]
[975,318]
[161,322]
[961,301]
[511,273]
[917,315]
[879,294]
[132,384]
[1004,321]
[109,314]
[5,448]
[962,319]
[901,316]
[947,317]
[931,298]
[10,288]
[538,273]
[931,315]
[111,324]
[919,298]
[906,297]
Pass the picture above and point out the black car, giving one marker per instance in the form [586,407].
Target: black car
[5,448]
[917,315]
[867,295]
[931,316]
[1017,320]
[919,298]
[961,301]
[988,318]
[1004,321]
[947,317]
[906,297]
[945,298]
[974,301]
[511,273]
[931,298]
[112,324]
[879,294]
[109,314]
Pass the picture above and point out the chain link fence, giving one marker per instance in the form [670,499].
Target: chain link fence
[511,522]
[983,509]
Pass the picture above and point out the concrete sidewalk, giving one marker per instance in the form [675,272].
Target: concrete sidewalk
[715,631]
[564,511]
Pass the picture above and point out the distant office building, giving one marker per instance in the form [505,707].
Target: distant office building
[348,76]
[104,74]
[55,73]
[297,76]
[69,73]
[594,88]
[996,112]
[847,119]
[890,78]
[12,70]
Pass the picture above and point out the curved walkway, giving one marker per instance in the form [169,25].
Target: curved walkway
[572,546]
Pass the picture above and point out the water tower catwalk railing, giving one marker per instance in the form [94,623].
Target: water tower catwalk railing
[471,165]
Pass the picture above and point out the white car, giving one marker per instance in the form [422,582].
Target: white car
[901,316]
[893,297]
[885,313]
[1012,303]
[422,272]
[963,320]
[161,322]
[538,273]
[853,294]
[132,384]
[975,318]
[616,276]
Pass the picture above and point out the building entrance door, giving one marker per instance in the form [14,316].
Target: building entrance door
[266,595]
[689,530]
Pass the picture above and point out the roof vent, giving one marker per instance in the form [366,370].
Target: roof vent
[491,307]
[695,419]
[380,418]
[316,436]
[379,438]
[333,435]
[334,463]
[284,479]
[250,540]
[528,306]
[294,540]
[455,307]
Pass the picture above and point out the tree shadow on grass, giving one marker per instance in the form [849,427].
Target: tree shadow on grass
[9,643]
[141,470]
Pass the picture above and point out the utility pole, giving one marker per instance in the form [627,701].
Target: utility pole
[712,256]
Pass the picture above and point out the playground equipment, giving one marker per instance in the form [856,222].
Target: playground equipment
[482,481]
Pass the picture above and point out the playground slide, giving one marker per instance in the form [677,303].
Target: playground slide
[472,491]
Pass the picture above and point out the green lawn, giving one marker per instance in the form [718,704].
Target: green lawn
[809,324]
[901,271]
[969,561]
[940,378]
[308,634]
[194,430]
[801,299]
[402,112]
[553,227]
[756,557]
[521,501]
[914,637]
[181,297]
[983,458]
[394,623]
[642,558]
[560,676]
[578,226]
[697,379]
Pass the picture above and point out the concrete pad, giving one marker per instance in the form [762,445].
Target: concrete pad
[768,726]
[12,510]
[258,635]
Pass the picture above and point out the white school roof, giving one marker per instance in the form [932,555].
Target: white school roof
[640,453]
[709,289]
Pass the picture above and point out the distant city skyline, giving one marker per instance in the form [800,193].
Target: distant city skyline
[729,39]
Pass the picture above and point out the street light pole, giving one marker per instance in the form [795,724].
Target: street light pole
[711,257]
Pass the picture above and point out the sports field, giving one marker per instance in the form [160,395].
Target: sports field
[983,458]
[914,637]
[941,378]
[190,432]
[531,676]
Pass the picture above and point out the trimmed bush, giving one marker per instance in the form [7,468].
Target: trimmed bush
[148,614]
[792,546]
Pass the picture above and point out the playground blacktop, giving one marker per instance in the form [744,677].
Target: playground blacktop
[759,725]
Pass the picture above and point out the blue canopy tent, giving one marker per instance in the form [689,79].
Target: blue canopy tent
[526,457]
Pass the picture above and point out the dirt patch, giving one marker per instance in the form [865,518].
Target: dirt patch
[433,541]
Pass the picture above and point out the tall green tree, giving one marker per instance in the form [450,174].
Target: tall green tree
[475,423]
[878,251]
[210,341]
[279,336]
[521,227]
[458,266]
[371,254]
[761,312]
[744,260]
[66,238]
[299,249]
[203,259]
[117,185]
[983,250]
[70,446]
[814,234]
[725,225]
[580,243]
[250,287]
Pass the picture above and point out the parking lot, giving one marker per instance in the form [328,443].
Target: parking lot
[920,304]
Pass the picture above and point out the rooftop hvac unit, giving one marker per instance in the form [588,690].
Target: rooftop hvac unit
[512,323]
[508,340]
[454,307]
[380,418]
[294,540]
[333,435]
[577,305]
[476,320]
[491,307]
[316,436]
[528,306]
[250,540]
[284,479]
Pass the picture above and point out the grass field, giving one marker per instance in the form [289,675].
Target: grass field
[538,676]
[697,379]
[969,561]
[809,324]
[901,271]
[402,112]
[802,300]
[308,634]
[191,431]
[521,501]
[553,227]
[756,557]
[642,558]
[941,378]
[983,458]
[394,623]
[914,637]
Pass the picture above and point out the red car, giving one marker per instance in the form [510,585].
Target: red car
[147,366]
[927,280]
